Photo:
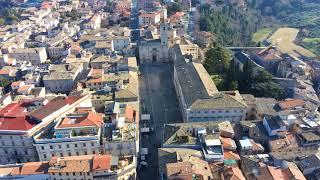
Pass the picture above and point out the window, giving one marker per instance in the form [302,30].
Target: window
[93,152]
[92,144]
[85,153]
[6,151]
[67,174]
[68,146]
[75,145]
[61,154]
[73,173]
[88,173]
[59,146]
[69,154]
[77,153]
[25,152]
[84,144]
[45,156]
[59,174]
[51,147]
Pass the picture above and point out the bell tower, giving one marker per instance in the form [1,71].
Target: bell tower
[164,33]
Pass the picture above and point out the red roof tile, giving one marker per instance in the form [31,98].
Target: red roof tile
[130,114]
[101,162]
[231,155]
[54,105]
[34,168]
[14,117]
[4,71]
[25,88]
[88,119]
[16,83]
[292,103]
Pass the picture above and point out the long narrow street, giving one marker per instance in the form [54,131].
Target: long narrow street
[158,98]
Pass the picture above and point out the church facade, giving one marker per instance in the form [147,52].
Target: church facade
[156,50]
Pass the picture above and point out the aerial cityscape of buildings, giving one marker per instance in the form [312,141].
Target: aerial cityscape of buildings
[96,89]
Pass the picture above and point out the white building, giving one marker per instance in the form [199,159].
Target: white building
[120,135]
[156,50]
[91,167]
[199,98]
[33,55]
[274,125]
[76,134]
[58,52]
[149,18]
[212,148]
[23,120]
[62,77]
[25,171]
[120,42]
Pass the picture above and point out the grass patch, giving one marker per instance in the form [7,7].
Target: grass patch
[261,34]
[313,44]
[284,38]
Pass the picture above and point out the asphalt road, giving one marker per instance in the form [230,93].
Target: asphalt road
[157,98]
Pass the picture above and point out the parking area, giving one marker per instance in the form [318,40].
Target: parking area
[157,98]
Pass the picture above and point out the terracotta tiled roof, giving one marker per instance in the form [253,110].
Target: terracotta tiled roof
[275,172]
[15,171]
[54,105]
[30,168]
[88,119]
[4,71]
[84,163]
[72,164]
[233,173]
[179,168]
[13,117]
[130,114]
[34,168]
[231,155]
[101,162]
[228,143]
[16,83]
[24,88]
[293,172]
[292,103]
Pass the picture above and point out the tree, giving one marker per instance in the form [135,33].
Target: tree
[217,60]
[173,8]
[4,82]
[2,21]
[267,89]
[263,76]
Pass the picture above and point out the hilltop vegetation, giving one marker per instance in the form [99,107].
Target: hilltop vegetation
[8,15]
[234,25]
